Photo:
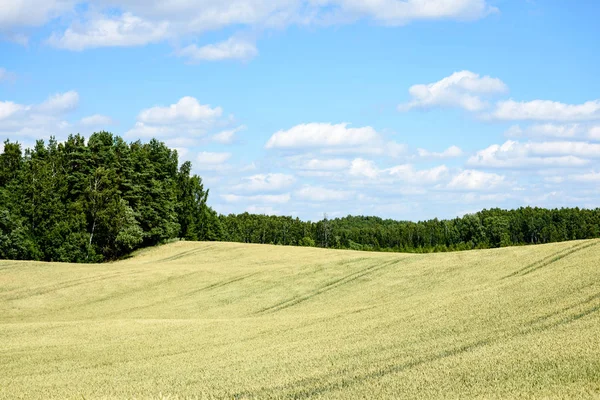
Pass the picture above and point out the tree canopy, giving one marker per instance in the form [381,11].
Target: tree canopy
[87,202]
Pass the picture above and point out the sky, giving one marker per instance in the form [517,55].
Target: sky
[404,109]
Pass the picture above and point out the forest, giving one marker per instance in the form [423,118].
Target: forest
[100,199]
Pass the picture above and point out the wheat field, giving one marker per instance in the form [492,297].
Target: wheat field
[235,321]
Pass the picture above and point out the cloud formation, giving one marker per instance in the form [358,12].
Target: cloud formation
[186,118]
[104,23]
[464,89]
[512,154]
[546,110]
[230,49]
[476,180]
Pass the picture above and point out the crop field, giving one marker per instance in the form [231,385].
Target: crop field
[235,321]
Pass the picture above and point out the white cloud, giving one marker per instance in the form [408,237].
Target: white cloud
[461,89]
[545,130]
[493,198]
[230,49]
[227,136]
[594,132]
[8,108]
[209,158]
[189,16]
[97,120]
[187,109]
[476,180]
[546,110]
[552,130]
[321,135]
[408,173]
[363,168]
[335,139]
[18,13]
[123,30]
[591,177]
[138,22]
[266,182]
[261,198]
[60,102]
[36,121]
[319,194]
[452,151]
[513,154]
[186,118]
[334,164]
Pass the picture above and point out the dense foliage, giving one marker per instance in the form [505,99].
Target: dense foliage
[484,229]
[95,201]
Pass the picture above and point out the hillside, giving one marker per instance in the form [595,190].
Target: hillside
[228,320]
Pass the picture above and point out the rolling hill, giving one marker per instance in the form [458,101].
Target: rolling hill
[229,320]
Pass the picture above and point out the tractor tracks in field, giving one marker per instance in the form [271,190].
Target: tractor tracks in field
[333,284]
[305,388]
[41,290]
[546,261]
[183,254]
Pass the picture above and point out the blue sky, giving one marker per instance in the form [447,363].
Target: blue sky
[408,109]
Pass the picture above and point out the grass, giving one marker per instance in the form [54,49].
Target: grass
[225,320]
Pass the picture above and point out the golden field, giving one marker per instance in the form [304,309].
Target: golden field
[235,321]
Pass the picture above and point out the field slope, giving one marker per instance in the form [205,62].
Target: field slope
[225,320]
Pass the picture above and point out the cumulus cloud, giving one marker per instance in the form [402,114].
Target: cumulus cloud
[97,120]
[590,177]
[546,110]
[187,109]
[322,194]
[227,136]
[363,168]
[513,154]
[450,152]
[476,180]
[462,89]
[335,139]
[60,103]
[230,49]
[321,135]
[261,198]
[545,130]
[35,121]
[211,161]
[408,173]
[594,133]
[8,108]
[208,158]
[187,117]
[110,31]
[23,13]
[104,23]
[333,164]
[266,182]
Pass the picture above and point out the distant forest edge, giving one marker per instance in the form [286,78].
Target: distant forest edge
[99,200]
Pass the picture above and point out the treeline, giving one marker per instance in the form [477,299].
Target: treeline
[98,200]
[95,201]
[485,229]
